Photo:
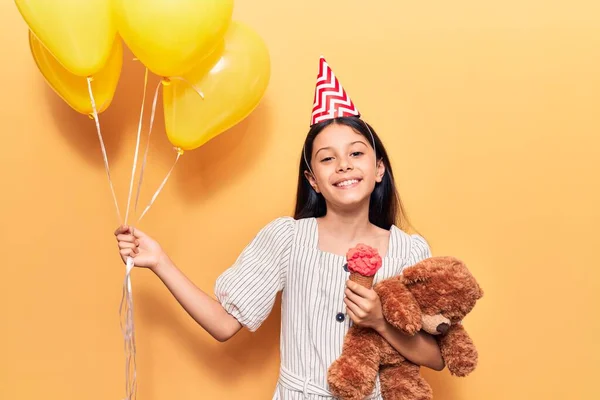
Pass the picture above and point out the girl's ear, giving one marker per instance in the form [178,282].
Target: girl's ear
[380,171]
[311,179]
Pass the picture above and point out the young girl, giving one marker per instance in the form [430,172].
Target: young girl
[346,195]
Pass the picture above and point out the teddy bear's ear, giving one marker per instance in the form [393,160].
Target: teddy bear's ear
[480,292]
[415,274]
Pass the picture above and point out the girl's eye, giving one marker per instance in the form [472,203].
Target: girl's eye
[357,154]
[327,159]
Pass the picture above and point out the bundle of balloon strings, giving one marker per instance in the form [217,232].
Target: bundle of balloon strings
[126,314]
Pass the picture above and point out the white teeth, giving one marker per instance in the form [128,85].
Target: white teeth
[347,183]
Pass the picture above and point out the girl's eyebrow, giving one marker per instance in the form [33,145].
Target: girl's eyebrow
[322,148]
[350,144]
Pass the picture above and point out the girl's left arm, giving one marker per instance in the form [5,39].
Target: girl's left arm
[421,349]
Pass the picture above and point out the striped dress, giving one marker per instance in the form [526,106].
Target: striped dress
[284,256]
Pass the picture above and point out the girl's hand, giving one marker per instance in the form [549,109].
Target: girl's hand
[364,307]
[144,250]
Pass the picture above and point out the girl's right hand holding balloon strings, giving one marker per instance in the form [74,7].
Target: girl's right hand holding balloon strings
[145,251]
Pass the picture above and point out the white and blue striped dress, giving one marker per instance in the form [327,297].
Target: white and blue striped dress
[284,256]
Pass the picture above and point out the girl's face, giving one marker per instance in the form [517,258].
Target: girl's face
[343,162]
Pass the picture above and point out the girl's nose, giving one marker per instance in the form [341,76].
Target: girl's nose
[345,165]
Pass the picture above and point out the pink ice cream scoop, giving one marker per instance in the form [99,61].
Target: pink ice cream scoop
[363,263]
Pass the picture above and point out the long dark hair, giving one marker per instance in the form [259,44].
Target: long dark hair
[385,206]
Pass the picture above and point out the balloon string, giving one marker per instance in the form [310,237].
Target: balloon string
[144,162]
[137,146]
[128,330]
[162,185]
[165,81]
[102,147]
[126,308]
[145,159]
[127,305]
[179,150]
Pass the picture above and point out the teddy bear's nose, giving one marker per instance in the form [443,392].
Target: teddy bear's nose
[443,328]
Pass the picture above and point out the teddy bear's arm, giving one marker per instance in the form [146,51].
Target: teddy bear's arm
[400,308]
[458,351]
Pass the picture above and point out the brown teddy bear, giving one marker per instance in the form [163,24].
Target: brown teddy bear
[433,295]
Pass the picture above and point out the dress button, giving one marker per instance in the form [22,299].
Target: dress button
[340,317]
[345,267]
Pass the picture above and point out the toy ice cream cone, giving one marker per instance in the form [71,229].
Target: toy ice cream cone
[366,281]
[363,263]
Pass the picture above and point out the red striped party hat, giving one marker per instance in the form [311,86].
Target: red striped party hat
[331,100]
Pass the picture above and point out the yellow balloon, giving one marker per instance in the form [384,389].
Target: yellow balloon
[79,33]
[73,89]
[233,80]
[169,36]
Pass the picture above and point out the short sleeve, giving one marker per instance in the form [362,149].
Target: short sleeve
[419,249]
[247,290]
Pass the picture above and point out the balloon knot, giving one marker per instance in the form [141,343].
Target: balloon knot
[91,116]
[166,81]
[179,150]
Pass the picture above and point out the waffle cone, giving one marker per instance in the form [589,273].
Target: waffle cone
[366,281]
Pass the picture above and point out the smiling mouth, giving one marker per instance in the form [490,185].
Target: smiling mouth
[347,183]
